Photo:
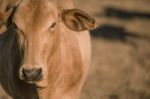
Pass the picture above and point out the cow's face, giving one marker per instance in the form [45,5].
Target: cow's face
[38,23]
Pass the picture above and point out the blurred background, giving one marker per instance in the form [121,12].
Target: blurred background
[120,67]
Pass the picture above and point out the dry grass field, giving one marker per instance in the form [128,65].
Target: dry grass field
[120,67]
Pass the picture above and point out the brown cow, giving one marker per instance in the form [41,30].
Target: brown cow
[45,53]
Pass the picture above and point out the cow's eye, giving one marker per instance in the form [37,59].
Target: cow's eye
[52,28]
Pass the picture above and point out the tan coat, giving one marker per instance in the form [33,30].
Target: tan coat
[46,34]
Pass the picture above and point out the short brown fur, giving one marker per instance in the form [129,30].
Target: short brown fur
[37,39]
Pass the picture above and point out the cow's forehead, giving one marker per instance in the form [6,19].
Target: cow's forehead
[35,14]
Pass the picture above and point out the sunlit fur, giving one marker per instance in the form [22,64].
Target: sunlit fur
[63,54]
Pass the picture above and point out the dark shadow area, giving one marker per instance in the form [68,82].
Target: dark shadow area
[124,14]
[10,60]
[114,33]
[113,97]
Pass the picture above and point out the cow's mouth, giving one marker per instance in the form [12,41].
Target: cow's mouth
[41,84]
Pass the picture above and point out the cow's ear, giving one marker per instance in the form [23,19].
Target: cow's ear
[4,20]
[6,11]
[77,20]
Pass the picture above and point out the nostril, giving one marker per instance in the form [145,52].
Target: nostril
[38,74]
[26,73]
[32,74]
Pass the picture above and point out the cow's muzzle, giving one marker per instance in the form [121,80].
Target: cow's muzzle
[31,75]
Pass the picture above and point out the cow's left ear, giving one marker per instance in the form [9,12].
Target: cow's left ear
[77,20]
[7,9]
[4,20]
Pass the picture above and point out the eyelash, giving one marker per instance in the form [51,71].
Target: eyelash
[53,25]
[52,28]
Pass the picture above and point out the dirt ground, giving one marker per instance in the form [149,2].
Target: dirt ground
[120,67]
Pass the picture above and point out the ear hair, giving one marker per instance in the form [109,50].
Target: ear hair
[77,20]
[6,16]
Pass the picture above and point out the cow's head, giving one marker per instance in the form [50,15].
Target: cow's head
[38,23]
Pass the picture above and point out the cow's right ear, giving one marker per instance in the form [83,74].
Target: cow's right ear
[4,20]
[77,20]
